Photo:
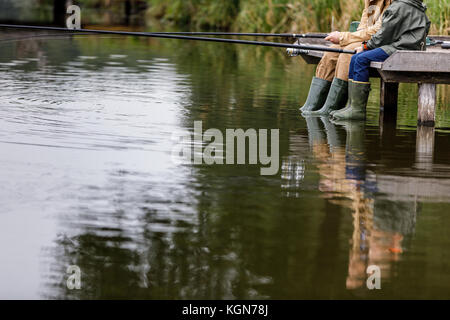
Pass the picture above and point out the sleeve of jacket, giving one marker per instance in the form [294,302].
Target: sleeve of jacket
[389,24]
[360,35]
[364,19]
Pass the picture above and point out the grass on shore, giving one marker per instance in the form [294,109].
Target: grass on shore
[276,15]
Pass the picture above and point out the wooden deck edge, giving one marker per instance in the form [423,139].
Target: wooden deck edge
[418,61]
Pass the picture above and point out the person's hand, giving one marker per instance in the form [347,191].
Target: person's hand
[334,37]
[359,49]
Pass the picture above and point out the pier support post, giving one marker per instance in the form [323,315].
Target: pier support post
[388,96]
[427,104]
[388,107]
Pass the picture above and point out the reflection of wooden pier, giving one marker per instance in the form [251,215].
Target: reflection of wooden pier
[399,188]
[426,68]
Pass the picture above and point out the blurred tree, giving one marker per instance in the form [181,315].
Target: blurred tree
[59,11]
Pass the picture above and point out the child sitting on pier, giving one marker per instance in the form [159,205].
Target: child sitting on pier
[404,27]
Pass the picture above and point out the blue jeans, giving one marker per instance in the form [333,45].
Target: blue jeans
[360,64]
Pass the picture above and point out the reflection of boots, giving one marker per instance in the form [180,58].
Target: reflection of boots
[357,111]
[355,133]
[333,138]
[355,149]
[317,95]
[315,132]
[336,99]
[349,98]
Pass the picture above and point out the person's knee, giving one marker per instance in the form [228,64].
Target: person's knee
[344,59]
[329,57]
[361,60]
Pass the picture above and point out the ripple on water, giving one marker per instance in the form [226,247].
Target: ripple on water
[118,56]
[114,63]
[86,148]
[111,107]
[87,57]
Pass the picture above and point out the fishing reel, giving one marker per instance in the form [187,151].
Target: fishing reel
[432,42]
[294,52]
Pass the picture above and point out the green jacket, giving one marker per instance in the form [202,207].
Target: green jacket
[405,26]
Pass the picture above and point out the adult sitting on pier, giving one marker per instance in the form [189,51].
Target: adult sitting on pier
[329,88]
[405,27]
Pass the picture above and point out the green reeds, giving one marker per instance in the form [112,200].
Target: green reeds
[277,15]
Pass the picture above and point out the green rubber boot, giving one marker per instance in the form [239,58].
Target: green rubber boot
[349,98]
[357,110]
[317,95]
[336,99]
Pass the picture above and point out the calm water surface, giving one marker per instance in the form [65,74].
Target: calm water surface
[86,179]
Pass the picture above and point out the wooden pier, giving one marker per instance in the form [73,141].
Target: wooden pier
[426,68]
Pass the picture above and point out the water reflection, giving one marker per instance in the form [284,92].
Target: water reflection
[382,227]
[87,180]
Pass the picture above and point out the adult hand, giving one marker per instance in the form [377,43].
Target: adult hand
[334,37]
[359,49]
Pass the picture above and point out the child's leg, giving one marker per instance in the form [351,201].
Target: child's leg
[351,70]
[362,63]
[360,86]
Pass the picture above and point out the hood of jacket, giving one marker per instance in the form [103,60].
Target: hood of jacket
[405,27]
[415,3]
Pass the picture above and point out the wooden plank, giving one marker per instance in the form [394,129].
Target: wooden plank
[415,77]
[376,65]
[427,104]
[418,61]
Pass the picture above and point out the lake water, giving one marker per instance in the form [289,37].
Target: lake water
[87,179]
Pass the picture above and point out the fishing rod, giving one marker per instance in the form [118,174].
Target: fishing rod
[180,37]
[280,35]
[444,44]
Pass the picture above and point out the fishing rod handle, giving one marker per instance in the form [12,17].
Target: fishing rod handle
[310,35]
